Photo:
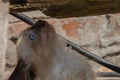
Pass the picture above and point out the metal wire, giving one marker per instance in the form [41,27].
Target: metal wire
[24,18]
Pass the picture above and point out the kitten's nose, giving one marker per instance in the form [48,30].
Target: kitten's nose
[39,24]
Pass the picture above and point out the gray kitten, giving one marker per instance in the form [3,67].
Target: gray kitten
[42,55]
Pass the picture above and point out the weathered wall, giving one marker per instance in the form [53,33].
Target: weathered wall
[98,34]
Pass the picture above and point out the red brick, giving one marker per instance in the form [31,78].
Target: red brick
[71,29]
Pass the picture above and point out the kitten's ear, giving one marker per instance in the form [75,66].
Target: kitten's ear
[14,39]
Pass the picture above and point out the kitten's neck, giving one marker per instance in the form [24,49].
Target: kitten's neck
[42,61]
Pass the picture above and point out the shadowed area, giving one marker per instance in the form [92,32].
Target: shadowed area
[67,8]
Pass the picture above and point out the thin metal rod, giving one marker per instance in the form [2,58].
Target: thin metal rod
[24,18]
[94,57]
[74,46]
[108,74]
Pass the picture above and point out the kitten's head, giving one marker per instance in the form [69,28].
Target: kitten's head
[38,38]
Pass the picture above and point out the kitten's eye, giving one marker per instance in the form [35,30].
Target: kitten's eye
[32,36]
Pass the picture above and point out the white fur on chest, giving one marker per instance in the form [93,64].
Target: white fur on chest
[58,72]
[64,67]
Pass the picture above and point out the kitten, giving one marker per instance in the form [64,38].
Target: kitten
[42,55]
